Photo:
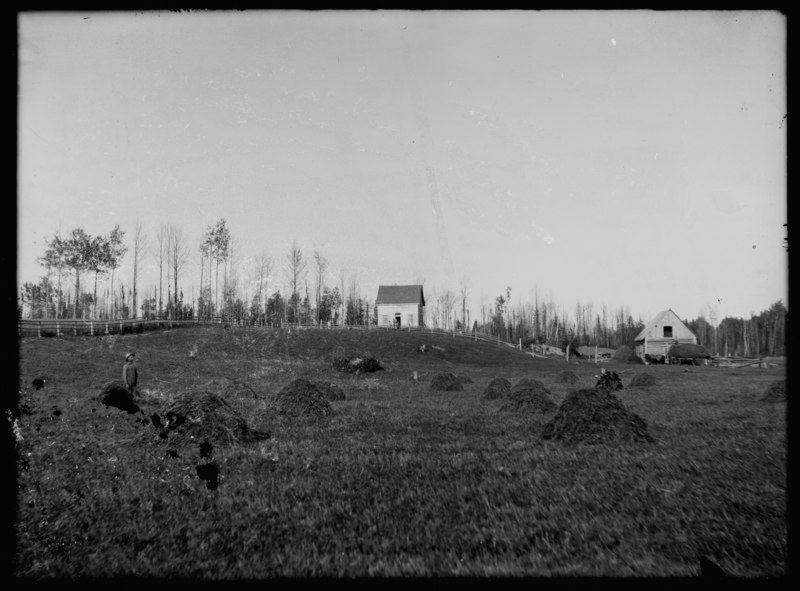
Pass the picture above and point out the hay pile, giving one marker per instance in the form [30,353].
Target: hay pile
[567,377]
[497,388]
[330,391]
[626,355]
[642,380]
[197,416]
[689,351]
[595,416]
[529,395]
[444,380]
[239,390]
[303,399]
[115,393]
[775,392]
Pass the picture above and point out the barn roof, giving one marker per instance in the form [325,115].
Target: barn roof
[665,318]
[400,294]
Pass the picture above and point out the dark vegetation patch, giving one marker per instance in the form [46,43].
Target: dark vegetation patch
[529,395]
[567,377]
[643,380]
[608,381]
[116,394]
[775,392]
[209,473]
[497,388]
[355,363]
[627,355]
[595,416]
[303,399]
[446,381]
[197,416]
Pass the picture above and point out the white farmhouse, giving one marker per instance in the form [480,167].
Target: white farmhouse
[663,331]
[400,306]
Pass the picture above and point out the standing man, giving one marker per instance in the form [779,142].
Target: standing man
[129,374]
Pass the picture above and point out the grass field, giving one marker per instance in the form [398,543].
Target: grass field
[400,480]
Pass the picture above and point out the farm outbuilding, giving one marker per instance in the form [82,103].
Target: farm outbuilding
[663,331]
[400,306]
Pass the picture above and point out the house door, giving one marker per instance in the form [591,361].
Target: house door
[397,320]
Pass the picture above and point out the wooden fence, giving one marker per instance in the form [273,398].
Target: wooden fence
[73,328]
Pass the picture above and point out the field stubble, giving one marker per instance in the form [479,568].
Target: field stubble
[400,480]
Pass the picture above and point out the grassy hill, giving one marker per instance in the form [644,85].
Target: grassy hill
[398,479]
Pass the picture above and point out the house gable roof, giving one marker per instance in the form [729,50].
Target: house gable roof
[400,294]
[665,318]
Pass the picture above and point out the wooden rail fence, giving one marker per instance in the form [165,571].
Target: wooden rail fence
[73,328]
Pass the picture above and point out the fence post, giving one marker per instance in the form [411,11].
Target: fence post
[106,327]
[91,328]
[75,329]
[39,329]
[58,330]
[520,344]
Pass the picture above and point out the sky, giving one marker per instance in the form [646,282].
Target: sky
[635,159]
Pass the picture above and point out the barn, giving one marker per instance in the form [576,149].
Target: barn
[663,331]
[400,306]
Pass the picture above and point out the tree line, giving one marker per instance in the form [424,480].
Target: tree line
[312,296]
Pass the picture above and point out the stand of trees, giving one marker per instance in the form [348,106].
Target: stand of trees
[80,282]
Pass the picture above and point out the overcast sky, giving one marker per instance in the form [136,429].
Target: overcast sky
[632,158]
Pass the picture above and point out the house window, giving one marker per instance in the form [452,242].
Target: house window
[410,319]
[667,332]
[384,319]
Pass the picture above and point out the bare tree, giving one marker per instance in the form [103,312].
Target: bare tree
[160,255]
[321,264]
[263,269]
[139,246]
[463,290]
[295,270]
[178,255]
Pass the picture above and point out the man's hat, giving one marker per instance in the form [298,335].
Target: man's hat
[129,355]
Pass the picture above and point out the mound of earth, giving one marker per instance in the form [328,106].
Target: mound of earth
[595,416]
[200,416]
[116,394]
[497,388]
[529,395]
[444,380]
[643,379]
[303,399]
[330,391]
[465,379]
[775,392]
[626,355]
[567,377]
